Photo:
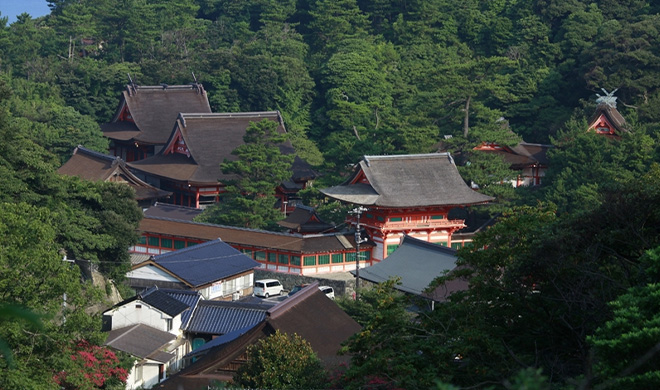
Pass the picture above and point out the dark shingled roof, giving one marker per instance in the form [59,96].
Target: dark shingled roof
[210,139]
[94,166]
[204,263]
[415,180]
[171,211]
[154,110]
[189,297]
[307,244]
[305,220]
[613,116]
[218,317]
[417,263]
[523,155]
[142,341]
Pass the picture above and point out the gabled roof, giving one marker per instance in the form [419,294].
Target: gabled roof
[417,263]
[171,211]
[612,115]
[304,244]
[159,300]
[154,110]
[218,317]
[522,155]
[309,314]
[305,220]
[414,180]
[205,263]
[141,341]
[209,139]
[189,298]
[94,166]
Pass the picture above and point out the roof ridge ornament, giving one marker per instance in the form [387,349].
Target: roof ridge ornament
[609,98]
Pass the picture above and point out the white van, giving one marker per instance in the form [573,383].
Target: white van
[267,287]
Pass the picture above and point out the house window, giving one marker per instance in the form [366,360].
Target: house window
[324,259]
[260,255]
[154,241]
[272,257]
[295,260]
[283,259]
[391,248]
[309,260]
[168,324]
[337,258]
[179,244]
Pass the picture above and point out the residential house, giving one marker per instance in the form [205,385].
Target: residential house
[144,119]
[148,327]
[406,195]
[214,268]
[94,166]
[308,313]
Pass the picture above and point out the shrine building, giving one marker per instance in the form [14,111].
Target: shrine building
[406,195]
[530,160]
[143,121]
[606,119]
[188,165]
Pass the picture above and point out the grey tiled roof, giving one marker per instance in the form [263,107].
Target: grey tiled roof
[189,297]
[142,341]
[167,210]
[414,180]
[163,301]
[416,262]
[218,317]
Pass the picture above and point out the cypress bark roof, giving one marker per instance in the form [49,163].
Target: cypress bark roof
[209,140]
[305,220]
[94,166]
[612,115]
[154,110]
[415,180]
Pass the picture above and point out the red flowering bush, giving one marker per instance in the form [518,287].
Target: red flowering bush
[92,367]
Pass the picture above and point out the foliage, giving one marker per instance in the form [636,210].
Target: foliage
[281,361]
[249,199]
[92,367]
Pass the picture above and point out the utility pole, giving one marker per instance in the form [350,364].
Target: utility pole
[358,240]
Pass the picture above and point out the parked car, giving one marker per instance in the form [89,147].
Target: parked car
[297,288]
[267,288]
[328,291]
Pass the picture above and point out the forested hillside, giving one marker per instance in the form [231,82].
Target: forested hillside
[570,267]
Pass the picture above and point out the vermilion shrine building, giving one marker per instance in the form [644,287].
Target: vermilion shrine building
[530,159]
[607,120]
[406,195]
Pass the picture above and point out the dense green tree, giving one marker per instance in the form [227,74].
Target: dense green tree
[249,200]
[281,361]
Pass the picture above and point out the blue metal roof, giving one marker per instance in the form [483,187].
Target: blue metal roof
[218,317]
[189,298]
[206,263]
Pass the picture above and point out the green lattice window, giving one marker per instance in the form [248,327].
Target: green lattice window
[437,217]
[337,258]
[309,260]
[272,257]
[154,241]
[391,248]
[247,252]
[396,219]
[283,259]
[324,259]
[350,257]
[142,240]
[165,243]
[260,255]
[456,245]
[179,244]
[295,260]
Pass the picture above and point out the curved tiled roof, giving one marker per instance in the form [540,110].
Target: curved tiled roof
[415,180]
[217,317]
